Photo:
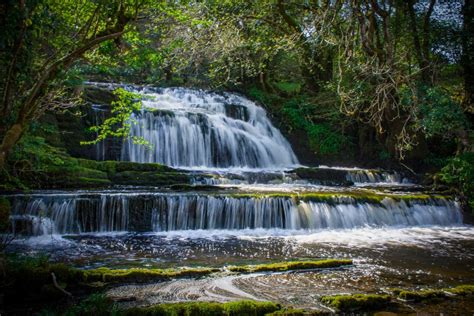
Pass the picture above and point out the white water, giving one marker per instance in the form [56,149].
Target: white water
[66,214]
[194,128]
[231,137]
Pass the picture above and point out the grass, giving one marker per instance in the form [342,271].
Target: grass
[291,265]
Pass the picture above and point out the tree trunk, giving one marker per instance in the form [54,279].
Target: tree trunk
[28,108]
[12,136]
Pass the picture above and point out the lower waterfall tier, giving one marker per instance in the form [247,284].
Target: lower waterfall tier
[109,212]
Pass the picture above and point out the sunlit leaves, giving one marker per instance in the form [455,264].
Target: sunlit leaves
[120,122]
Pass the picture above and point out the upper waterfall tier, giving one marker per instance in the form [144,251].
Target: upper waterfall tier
[195,128]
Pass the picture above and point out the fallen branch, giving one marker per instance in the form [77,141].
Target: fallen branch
[56,285]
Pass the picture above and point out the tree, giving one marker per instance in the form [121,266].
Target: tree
[467,60]
[41,41]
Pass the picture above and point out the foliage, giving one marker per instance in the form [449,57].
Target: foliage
[121,121]
[459,174]
[42,41]
[440,114]
[323,139]
[95,304]
[333,69]
[288,87]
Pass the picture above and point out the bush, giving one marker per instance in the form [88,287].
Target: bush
[95,304]
[459,174]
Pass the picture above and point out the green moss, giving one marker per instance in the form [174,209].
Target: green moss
[462,290]
[249,308]
[297,312]
[332,197]
[133,173]
[40,165]
[31,274]
[356,302]
[149,178]
[135,166]
[429,294]
[419,296]
[91,182]
[142,275]
[292,265]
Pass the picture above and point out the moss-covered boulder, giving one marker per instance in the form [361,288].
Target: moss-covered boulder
[250,308]
[356,302]
[292,265]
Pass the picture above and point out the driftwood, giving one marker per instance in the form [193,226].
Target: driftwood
[56,285]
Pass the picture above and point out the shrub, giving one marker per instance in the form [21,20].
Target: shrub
[459,174]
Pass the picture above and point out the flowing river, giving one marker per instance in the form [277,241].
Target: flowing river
[258,211]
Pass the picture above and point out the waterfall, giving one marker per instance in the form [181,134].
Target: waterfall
[374,176]
[71,214]
[194,128]
[66,214]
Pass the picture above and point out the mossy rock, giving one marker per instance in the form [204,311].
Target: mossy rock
[462,290]
[292,265]
[356,302]
[137,275]
[148,178]
[250,308]
[298,312]
[99,95]
[136,166]
[189,187]
[343,197]
[324,176]
[419,296]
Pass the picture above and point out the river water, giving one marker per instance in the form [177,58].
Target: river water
[257,213]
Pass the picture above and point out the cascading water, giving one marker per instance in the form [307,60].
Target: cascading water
[68,214]
[193,128]
[264,210]
[232,137]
